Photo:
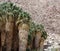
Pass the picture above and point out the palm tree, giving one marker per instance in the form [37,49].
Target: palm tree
[23,28]
[16,11]
[6,8]
[31,36]
[11,13]
[9,31]
[2,30]
[0,34]
[43,37]
[3,11]
[39,29]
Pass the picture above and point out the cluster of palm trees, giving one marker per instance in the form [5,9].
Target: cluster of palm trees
[18,30]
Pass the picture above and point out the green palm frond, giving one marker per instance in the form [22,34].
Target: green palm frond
[27,16]
[31,33]
[32,27]
[44,34]
[39,27]
[24,16]
[9,7]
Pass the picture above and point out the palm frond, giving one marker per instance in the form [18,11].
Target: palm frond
[44,34]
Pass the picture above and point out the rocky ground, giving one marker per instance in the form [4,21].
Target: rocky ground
[52,43]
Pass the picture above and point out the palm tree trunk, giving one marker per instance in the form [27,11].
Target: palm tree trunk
[0,42]
[15,39]
[37,40]
[15,43]
[23,37]
[33,42]
[3,36]
[41,44]
[9,35]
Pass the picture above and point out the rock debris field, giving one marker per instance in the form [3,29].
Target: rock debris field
[52,42]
